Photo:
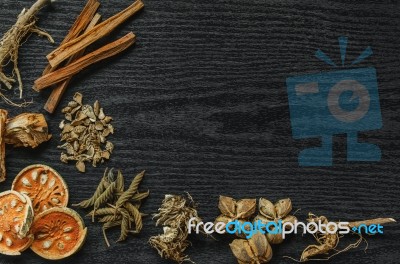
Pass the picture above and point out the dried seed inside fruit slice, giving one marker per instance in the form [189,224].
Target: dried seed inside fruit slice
[58,233]
[16,216]
[43,185]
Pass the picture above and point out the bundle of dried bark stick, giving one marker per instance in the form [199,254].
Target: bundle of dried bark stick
[69,58]
[24,130]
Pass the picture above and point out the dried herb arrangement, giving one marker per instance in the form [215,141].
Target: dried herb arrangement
[173,216]
[25,130]
[12,40]
[257,249]
[85,133]
[83,33]
[34,215]
[116,207]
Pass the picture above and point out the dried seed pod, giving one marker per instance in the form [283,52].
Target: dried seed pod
[274,213]
[16,215]
[43,185]
[256,250]
[59,233]
[78,98]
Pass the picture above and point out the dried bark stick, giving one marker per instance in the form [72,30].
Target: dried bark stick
[59,90]
[3,119]
[11,42]
[68,49]
[93,57]
[81,22]
[27,130]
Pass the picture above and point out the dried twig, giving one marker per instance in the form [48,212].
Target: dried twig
[70,48]
[93,57]
[11,42]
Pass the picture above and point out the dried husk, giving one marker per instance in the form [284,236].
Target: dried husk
[256,250]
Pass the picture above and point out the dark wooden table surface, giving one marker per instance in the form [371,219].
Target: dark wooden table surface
[200,102]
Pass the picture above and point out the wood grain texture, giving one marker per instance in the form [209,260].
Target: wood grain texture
[200,103]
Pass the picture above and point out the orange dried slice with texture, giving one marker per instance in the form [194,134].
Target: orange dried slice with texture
[43,185]
[16,216]
[58,233]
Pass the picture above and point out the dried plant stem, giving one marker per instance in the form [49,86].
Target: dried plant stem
[87,60]
[376,221]
[59,90]
[68,49]
[11,42]
[3,118]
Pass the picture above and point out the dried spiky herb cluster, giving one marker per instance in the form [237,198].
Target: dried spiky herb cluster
[116,207]
[174,215]
[85,134]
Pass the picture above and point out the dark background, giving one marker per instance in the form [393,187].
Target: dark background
[200,102]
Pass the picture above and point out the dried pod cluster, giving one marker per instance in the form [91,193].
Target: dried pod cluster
[33,214]
[116,207]
[85,131]
[269,212]
[173,216]
[252,251]
[257,249]
[232,210]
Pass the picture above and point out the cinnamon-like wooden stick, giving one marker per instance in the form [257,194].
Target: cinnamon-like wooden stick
[93,57]
[59,90]
[3,119]
[71,47]
[80,24]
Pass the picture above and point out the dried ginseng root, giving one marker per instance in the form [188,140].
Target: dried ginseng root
[58,233]
[27,130]
[12,40]
[270,212]
[115,207]
[232,210]
[16,216]
[256,250]
[43,185]
[85,134]
[328,241]
[174,215]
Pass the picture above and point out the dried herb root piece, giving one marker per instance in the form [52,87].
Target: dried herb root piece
[3,119]
[43,185]
[11,41]
[16,215]
[58,233]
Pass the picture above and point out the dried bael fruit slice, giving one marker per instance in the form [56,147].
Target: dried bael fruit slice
[43,185]
[16,215]
[58,233]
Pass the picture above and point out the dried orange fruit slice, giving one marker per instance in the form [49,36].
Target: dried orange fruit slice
[16,216]
[43,185]
[58,233]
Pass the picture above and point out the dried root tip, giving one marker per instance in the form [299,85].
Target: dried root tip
[42,33]
[376,221]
